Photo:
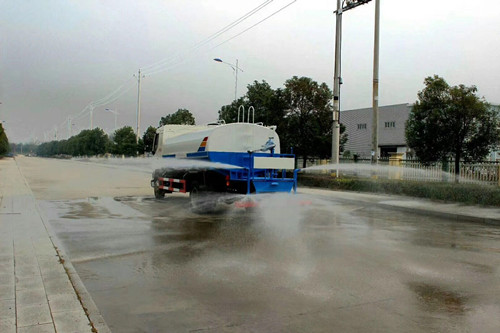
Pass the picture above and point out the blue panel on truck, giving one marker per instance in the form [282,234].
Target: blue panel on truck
[273,185]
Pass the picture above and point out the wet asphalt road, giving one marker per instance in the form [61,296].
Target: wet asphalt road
[294,264]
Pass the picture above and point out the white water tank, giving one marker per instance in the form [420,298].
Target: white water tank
[235,137]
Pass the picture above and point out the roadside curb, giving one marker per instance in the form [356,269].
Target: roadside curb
[446,215]
[93,314]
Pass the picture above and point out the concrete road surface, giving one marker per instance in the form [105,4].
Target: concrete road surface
[304,263]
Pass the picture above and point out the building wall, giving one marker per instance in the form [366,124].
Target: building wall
[391,128]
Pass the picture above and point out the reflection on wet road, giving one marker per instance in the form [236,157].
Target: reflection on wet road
[293,264]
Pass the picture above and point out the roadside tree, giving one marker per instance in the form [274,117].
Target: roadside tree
[4,142]
[229,113]
[451,122]
[91,142]
[264,99]
[308,117]
[180,117]
[124,142]
[148,139]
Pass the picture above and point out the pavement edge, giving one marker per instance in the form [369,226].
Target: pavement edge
[93,314]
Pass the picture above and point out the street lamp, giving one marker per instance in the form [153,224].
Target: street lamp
[116,116]
[235,69]
[342,6]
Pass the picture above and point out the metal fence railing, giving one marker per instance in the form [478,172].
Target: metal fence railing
[487,172]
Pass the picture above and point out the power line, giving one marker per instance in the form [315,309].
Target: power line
[178,59]
[185,58]
[256,24]
[152,67]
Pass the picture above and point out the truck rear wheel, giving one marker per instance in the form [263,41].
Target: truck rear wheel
[158,192]
[201,199]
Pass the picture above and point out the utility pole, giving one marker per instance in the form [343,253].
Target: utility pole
[337,80]
[138,104]
[336,86]
[375,83]
[91,117]
[69,127]
[236,82]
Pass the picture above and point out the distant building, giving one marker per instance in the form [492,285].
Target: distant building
[391,129]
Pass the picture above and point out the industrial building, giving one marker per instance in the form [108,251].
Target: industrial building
[391,129]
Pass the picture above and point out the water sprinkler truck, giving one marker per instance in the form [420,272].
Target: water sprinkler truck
[243,159]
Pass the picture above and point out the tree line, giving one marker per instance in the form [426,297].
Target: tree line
[446,121]
[302,112]
[96,142]
[4,141]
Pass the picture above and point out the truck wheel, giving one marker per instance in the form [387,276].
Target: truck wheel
[201,201]
[158,193]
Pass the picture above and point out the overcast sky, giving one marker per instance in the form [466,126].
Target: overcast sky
[57,56]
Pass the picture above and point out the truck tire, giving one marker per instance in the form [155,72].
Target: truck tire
[159,194]
[201,200]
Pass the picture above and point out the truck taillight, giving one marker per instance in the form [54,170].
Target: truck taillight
[227,181]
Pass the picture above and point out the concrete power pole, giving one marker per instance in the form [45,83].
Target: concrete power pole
[138,105]
[349,4]
[91,117]
[69,127]
[375,83]
[236,81]
[336,87]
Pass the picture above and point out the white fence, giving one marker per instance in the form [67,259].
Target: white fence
[480,173]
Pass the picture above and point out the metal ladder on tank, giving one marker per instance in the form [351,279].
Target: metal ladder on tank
[241,110]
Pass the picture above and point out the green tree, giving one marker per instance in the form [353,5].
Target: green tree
[91,142]
[451,121]
[266,101]
[23,148]
[4,142]
[308,117]
[140,146]
[86,143]
[124,142]
[148,139]
[229,113]
[180,117]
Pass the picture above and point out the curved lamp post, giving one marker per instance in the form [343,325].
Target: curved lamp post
[116,115]
[235,69]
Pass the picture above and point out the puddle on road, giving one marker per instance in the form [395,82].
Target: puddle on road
[97,208]
[86,210]
[433,298]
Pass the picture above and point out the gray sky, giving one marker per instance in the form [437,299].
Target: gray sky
[57,56]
